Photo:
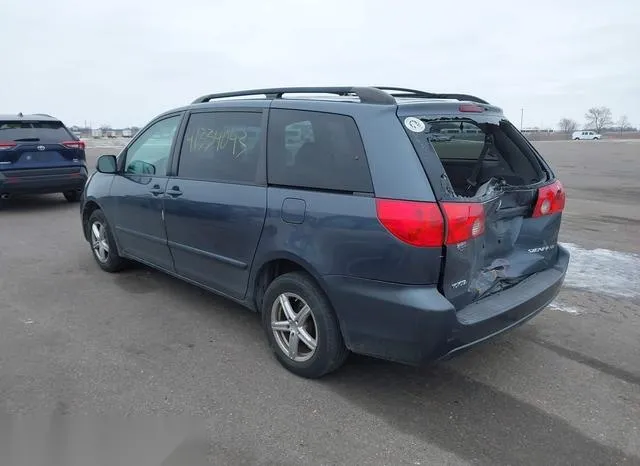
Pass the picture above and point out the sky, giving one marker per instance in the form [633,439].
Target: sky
[122,62]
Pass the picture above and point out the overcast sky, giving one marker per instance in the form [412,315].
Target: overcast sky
[122,62]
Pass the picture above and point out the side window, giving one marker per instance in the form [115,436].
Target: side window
[149,154]
[221,146]
[316,150]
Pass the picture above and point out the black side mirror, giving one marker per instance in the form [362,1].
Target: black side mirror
[107,164]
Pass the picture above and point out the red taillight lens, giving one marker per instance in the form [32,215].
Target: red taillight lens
[73,144]
[422,224]
[5,145]
[471,108]
[551,200]
[416,223]
[465,221]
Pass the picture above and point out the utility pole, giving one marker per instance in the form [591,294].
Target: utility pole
[521,117]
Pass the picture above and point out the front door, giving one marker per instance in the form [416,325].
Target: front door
[216,205]
[139,194]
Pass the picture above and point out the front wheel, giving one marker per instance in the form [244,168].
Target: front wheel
[301,326]
[103,246]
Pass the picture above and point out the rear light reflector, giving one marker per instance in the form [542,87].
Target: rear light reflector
[471,108]
[5,145]
[422,224]
[465,221]
[73,144]
[415,223]
[551,200]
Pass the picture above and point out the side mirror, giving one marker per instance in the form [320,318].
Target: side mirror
[107,164]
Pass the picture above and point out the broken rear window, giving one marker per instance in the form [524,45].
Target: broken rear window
[473,152]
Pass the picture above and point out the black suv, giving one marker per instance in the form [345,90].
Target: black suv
[395,223]
[39,155]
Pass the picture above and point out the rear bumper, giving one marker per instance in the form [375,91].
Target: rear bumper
[42,180]
[416,324]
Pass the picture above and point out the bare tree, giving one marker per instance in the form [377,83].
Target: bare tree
[567,125]
[623,123]
[598,118]
[105,127]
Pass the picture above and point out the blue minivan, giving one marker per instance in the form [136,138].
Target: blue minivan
[390,222]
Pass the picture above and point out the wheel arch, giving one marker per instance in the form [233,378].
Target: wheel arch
[273,266]
[89,207]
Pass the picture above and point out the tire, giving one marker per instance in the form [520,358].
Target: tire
[319,326]
[72,196]
[111,261]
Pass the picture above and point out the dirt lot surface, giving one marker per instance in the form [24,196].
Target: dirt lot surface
[562,390]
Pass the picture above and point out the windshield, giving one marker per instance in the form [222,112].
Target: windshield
[33,130]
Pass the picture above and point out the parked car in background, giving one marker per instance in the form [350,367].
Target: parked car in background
[127,133]
[340,218]
[38,155]
[585,135]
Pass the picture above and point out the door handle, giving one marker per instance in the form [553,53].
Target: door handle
[174,192]
[156,190]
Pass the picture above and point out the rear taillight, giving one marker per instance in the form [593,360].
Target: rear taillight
[464,221]
[422,223]
[551,200]
[73,144]
[415,223]
[6,145]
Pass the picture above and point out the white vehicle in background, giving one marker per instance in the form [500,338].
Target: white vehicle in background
[126,133]
[585,135]
[96,133]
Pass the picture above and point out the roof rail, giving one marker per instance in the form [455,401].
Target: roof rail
[43,114]
[404,92]
[369,95]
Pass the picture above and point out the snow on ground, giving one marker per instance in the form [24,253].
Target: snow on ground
[117,143]
[603,271]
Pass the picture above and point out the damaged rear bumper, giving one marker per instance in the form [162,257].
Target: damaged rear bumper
[503,311]
[417,324]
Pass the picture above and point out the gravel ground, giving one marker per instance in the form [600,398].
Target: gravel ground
[563,389]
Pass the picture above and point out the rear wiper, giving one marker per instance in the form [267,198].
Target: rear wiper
[27,140]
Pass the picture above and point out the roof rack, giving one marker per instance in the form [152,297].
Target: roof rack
[368,95]
[404,92]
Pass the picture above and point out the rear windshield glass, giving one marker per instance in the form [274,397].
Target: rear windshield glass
[41,130]
[473,152]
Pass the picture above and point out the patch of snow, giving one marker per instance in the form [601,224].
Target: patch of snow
[559,306]
[603,271]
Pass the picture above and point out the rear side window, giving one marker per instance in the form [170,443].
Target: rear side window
[221,146]
[12,130]
[317,151]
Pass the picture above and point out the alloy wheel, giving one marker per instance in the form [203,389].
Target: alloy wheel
[294,327]
[99,241]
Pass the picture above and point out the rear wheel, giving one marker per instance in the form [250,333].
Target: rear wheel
[102,243]
[301,326]
[72,196]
